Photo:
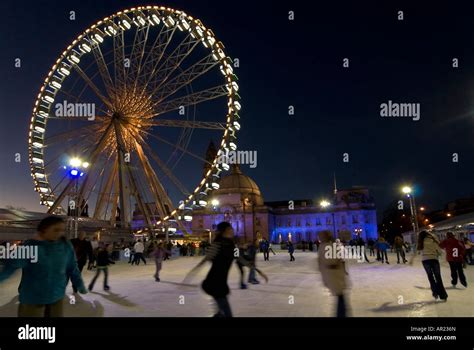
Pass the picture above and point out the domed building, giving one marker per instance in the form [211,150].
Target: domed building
[238,201]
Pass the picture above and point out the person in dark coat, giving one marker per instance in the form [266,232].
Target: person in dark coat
[83,250]
[103,261]
[221,253]
[455,256]
[291,250]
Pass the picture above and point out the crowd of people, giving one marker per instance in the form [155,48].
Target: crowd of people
[43,286]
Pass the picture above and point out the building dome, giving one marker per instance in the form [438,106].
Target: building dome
[237,182]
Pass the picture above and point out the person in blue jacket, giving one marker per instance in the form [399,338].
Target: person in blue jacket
[44,279]
[382,247]
[291,250]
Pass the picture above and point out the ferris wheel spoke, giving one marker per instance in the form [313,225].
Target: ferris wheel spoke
[184,78]
[189,100]
[119,61]
[166,170]
[68,135]
[172,62]
[78,100]
[138,197]
[161,198]
[103,69]
[138,51]
[155,55]
[93,87]
[186,124]
[103,195]
[182,149]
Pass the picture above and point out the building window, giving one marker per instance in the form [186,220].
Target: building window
[289,222]
[328,220]
[355,219]
[318,222]
[343,219]
[279,223]
[308,223]
[367,219]
[298,222]
[257,221]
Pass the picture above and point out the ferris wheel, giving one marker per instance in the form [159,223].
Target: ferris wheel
[135,100]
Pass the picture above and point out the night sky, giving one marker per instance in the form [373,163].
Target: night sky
[297,63]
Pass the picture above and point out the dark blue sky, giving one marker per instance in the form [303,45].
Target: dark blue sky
[295,63]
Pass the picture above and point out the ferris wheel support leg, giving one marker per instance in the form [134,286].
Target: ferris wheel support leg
[122,182]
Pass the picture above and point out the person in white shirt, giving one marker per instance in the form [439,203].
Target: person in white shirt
[139,249]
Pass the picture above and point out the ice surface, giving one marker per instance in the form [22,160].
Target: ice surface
[376,290]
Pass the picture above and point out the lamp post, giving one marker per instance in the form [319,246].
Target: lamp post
[214,204]
[75,170]
[325,204]
[411,198]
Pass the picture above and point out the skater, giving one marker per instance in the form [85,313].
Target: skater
[103,261]
[360,242]
[333,273]
[43,282]
[455,257]
[270,248]
[240,266]
[95,246]
[159,254]
[83,250]
[428,245]
[399,245]
[251,258]
[468,251]
[266,250]
[382,247]
[139,248]
[221,254]
[370,245]
[310,245]
[291,250]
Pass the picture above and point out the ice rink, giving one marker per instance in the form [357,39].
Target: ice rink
[294,289]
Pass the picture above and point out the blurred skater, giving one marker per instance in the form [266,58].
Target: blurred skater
[159,254]
[221,253]
[428,245]
[333,272]
[382,247]
[43,282]
[139,248]
[291,250]
[103,262]
[399,245]
[455,257]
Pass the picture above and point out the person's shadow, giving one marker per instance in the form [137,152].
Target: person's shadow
[386,307]
[116,298]
[76,306]
[73,307]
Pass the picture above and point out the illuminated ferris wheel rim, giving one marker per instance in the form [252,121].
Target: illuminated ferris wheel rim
[108,27]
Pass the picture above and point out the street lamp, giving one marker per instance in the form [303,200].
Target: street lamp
[325,204]
[409,193]
[214,204]
[75,170]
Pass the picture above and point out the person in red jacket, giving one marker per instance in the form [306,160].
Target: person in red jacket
[455,256]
